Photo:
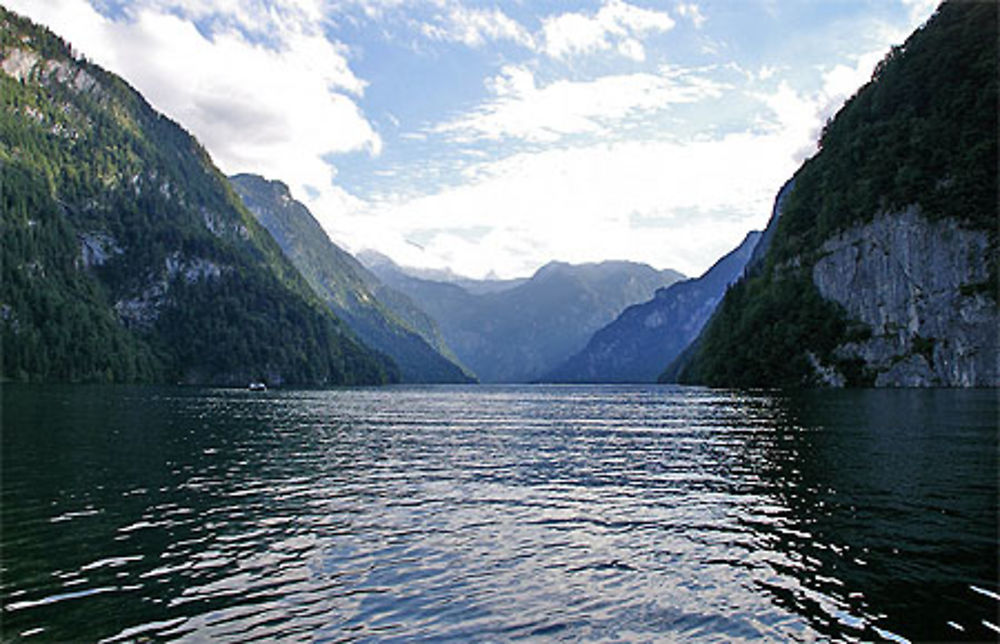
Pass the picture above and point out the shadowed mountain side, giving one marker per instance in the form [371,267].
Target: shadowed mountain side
[346,286]
[520,333]
[646,337]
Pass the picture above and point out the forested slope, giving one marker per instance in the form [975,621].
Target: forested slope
[127,256]
[883,265]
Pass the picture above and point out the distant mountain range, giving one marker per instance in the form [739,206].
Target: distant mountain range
[380,317]
[648,336]
[376,260]
[519,331]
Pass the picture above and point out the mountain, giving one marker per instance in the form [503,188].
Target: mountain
[521,332]
[346,286]
[374,260]
[648,336]
[127,256]
[883,265]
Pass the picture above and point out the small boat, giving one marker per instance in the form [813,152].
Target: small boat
[257,386]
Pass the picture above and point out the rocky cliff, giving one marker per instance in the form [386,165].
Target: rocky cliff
[920,287]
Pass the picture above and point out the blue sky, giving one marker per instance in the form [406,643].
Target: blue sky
[490,138]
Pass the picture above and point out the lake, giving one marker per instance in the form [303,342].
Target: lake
[621,513]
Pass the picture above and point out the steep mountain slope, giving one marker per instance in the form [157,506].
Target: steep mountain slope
[883,265]
[646,337]
[518,334]
[342,282]
[126,255]
[402,307]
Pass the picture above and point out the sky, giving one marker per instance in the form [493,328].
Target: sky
[492,138]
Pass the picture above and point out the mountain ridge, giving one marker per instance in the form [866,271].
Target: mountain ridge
[517,334]
[340,280]
[127,256]
[374,260]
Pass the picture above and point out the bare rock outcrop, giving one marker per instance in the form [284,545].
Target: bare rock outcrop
[921,288]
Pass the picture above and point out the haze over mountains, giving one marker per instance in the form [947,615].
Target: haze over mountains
[377,260]
[519,331]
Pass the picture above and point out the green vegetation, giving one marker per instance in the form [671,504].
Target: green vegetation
[763,331]
[127,256]
[922,133]
[54,320]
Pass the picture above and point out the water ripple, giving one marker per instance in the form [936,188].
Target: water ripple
[477,513]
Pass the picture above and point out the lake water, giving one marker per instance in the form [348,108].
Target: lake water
[498,513]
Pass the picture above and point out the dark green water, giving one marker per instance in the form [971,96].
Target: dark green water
[498,513]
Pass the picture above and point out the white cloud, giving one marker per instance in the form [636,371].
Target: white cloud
[920,10]
[668,204]
[252,16]
[273,109]
[766,72]
[806,115]
[520,109]
[620,17]
[632,48]
[679,203]
[439,20]
[608,184]
[692,12]
[616,25]
[841,81]
[476,27]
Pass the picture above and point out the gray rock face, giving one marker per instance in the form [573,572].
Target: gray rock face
[143,308]
[97,248]
[18,63]
[918,285]
[21,64]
